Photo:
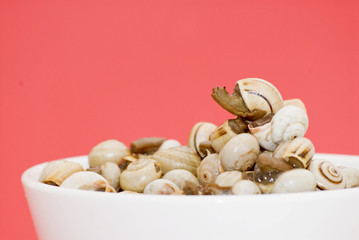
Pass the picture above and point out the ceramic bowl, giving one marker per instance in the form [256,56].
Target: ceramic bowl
[66,214]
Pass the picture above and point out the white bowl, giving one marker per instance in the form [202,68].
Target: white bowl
[66,214]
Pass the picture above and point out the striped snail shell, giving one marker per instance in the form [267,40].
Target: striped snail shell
[226,131]
[260,94]
[327,175]
[181,157]
[297,152]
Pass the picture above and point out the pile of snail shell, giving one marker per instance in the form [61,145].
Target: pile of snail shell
[261,150]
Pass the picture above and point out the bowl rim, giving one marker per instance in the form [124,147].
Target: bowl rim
[29,179]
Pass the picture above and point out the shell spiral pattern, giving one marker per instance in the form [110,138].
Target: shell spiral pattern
[327,175]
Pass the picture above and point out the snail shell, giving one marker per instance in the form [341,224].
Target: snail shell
[239,153]
[209,169]
[260,94]
[214,189]
[184,179]
[222,134]
[108,151]
[146,145]
[169,143]
[139,173]
[200,133]
[181,157]
[161,186]
[111,172]
[298,152]
[351,176]
[243,187]
[264,136]
[295,180]
[327,175]
[87,180]
[295,102]
[56,172]
[288,123]
[228,178]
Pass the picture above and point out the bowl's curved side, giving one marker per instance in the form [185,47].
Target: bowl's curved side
[72,214]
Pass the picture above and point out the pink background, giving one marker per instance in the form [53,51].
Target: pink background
[74,73]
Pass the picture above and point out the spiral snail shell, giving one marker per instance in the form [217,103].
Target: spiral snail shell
[288,123]
[327,175]
[209,169]
[139,173]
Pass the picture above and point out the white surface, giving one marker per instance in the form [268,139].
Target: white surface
[67,214]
